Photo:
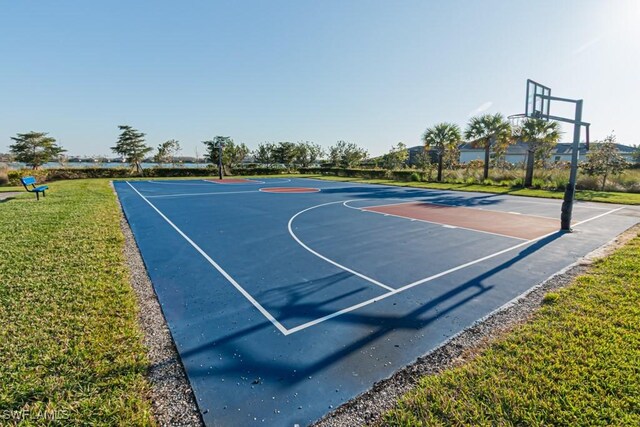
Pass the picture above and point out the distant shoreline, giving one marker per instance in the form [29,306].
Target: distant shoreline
[70,165]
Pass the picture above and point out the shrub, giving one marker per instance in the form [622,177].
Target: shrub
[257,171]
[554,178]
[403,175]
[587,183]
[518,182]
[14,175]
[550,298]
[43,175]
[475,164]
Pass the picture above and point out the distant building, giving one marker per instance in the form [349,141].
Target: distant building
[517,153]
[414,151]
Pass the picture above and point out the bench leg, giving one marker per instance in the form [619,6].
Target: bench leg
[43,194]
[37,196]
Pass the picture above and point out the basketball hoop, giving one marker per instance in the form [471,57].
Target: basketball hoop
[516,121]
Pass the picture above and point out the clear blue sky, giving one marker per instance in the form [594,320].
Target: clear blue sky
[371,72]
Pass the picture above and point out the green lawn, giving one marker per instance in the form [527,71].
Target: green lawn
[586,195]
[10,189]
[69,339]
[576,363]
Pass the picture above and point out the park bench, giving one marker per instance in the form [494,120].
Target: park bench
[31,181]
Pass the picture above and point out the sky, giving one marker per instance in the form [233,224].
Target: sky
[371,72]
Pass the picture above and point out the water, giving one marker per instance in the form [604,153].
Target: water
[70,165]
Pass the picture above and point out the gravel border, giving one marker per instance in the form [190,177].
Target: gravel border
[172,400]
[369,407]
[174,404]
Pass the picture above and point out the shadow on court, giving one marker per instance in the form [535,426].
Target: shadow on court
[425,195]
[380,325]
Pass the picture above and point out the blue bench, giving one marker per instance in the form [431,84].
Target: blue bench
[31,181]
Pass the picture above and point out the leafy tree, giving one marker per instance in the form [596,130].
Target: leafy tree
[307,153]
[442,137]
[264,154]
[335,155]
[540,136]
[396,157]
[232,154]
[489,131]
[604,159]
[35,148]
[167,152]
[422,159]
[636,154]
[346,154]
[212,150]
[285,152]
[131,146]
[235,154]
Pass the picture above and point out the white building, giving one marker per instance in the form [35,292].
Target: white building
[517,153]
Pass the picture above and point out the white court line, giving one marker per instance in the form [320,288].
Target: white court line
[363,209]
[479,208]
[413,284]
[598,216]
[186,182]
[217,193]
[255,303]
[247,182]
[576,204]
[430,278]
[251,181]
[281,180]
[367,278]
[270,190]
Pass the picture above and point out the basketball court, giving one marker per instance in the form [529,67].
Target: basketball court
[288,297]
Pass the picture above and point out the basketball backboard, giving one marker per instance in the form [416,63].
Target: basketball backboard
[538,101]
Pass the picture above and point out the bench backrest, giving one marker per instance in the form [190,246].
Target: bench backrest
[28,180]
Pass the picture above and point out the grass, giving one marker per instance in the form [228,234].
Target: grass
[585,195]
[69,339]
[576,363]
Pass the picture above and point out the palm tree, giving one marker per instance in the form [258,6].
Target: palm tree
[486,131]
[441,137]
[541,136]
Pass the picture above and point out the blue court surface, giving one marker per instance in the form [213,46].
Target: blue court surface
[284,305]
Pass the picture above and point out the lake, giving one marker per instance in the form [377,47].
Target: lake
[56,165]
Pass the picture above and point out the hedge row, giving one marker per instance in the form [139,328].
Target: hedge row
[260,171]
[43,175]
[398,175]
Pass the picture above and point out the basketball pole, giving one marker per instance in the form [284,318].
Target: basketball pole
[220,160]
[570,190]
